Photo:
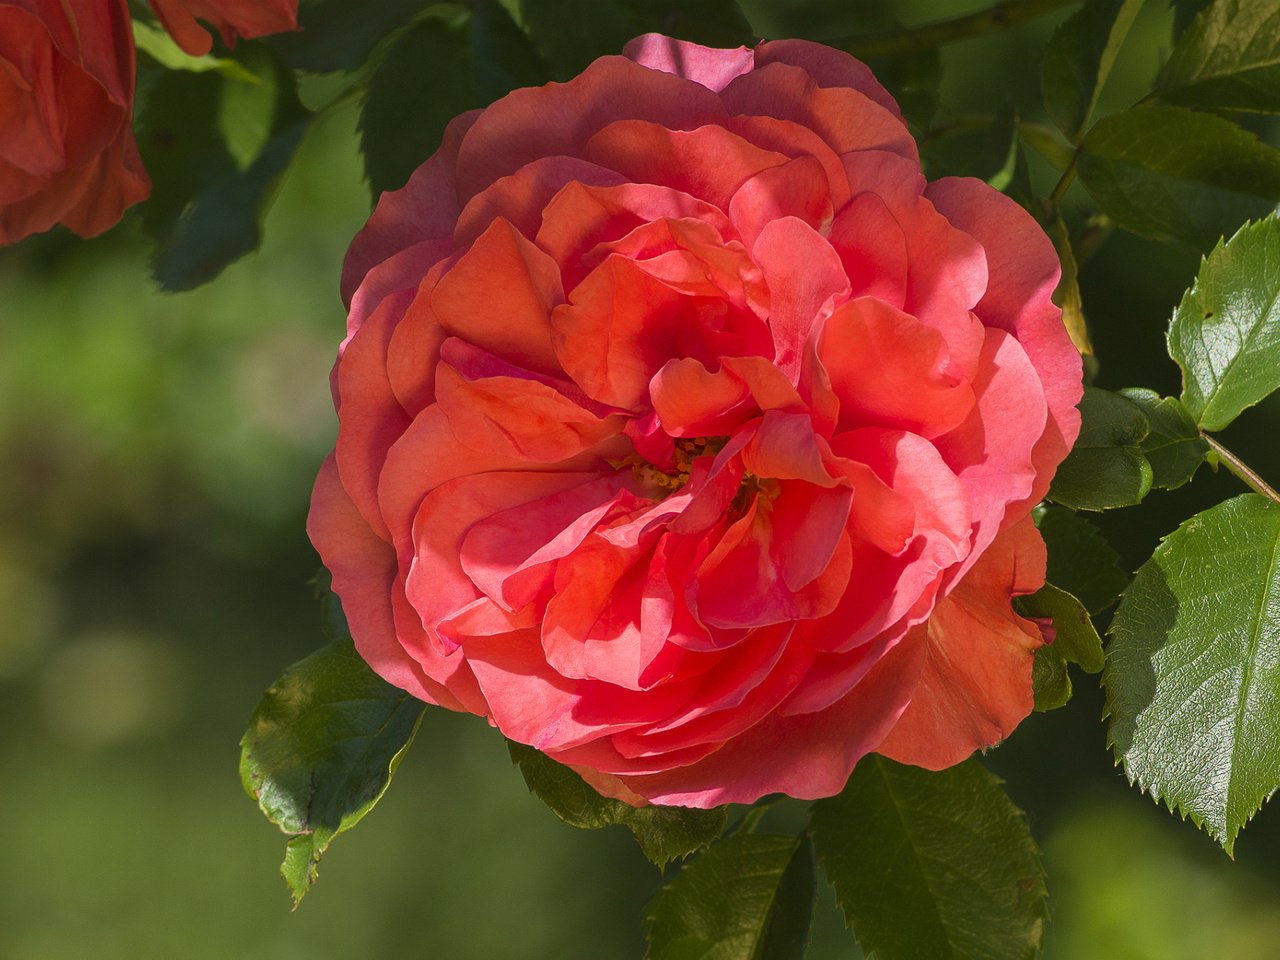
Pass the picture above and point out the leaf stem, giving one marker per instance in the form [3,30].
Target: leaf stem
[1064,181]
[1005,14]
[1241,469]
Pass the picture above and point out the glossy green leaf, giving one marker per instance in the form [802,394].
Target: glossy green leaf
[1105,468]
[932,864]
[1079,58]
[1225,334]
[320,752]
[422,83]
[1228,58]
[664,833]
[1193,668]
[1169,173]
[1080,559]
[210,193]
[749,897]
[339,34]
[1174,447]
[1075,641]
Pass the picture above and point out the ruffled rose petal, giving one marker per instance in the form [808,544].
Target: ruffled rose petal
[976,683]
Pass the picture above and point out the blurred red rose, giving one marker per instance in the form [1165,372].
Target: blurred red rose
[690,437]
[67,153]
[232,18]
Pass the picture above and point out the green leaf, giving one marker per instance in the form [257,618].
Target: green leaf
[1079,58]
[1184,13]
[1229,58]
[1169,173]
[1193,668]
[1105,469]
[422,83]
[209,194]
[1080,559]
[938,865]
[1067,296]
[1050,681]
[599,27]
[1075,641]
[339,34]
[502,57]
[1174,447]
[158,45]
[1225,334]
[750,897]
[664,833]
[320,752]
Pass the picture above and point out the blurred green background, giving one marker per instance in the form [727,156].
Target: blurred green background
[158,452]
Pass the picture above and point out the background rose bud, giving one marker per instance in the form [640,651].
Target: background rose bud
[232,18]
[690,437]
[67,153]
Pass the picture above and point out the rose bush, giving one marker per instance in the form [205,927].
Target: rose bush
[231,18]
[687,435]
[67,153]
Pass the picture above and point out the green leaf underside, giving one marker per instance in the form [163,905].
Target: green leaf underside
[164,50]
[1225,334]
[1193,668]
[1050,680]
[1169,173]
[749,897]
[1174,447]
[422,83]
[932,864]
[1079,58]
[1075,640]
[1228,58]
[210,191]
[1080,559]
[664,833]
[321,749]
[1105,469]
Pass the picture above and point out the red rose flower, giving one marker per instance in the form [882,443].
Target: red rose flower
[232,18]
[688,436]
[67,153]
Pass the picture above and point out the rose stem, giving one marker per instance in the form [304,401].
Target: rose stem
[1241,469]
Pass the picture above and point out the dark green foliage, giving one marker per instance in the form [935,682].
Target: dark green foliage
[1169,173]
[1079,58]
[1080,559]
[938,865]
[1174,447]
[1106,467]
[664,833]
[216,148]
[750,897]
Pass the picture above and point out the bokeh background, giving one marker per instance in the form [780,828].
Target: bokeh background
[157,453]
